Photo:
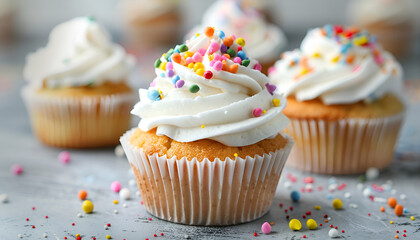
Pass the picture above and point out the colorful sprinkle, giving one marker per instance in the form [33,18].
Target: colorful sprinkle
[257,112]
[87,206]
[392,202]
[295,225]
[399,210]
[82,194]
[311,223]
[208,75]
[179,84]
[16,169]
[116,186]
[266,228]
[209,31]
[194,88]
[295,196]
[153,95]
[240,42]
[337,204]
[64,157]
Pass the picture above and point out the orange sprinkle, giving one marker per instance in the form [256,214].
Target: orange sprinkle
[271,223]
[82,194]
[326,220]
[392,202]
[209,31]
[397,237]
[353,29]
[350,58]
[323,32]
[224,68]
[228,41]
[399,210]
[226,55]
[382,209]
[233,68]
[176,57]
[304,62]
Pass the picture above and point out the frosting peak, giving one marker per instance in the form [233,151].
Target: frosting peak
[208,88]
[339,66]
[79,52]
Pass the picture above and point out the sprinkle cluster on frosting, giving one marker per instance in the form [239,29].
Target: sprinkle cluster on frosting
[335,60]
[208,88]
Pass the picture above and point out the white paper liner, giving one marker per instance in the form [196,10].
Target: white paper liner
[206,193]
[347,146]
[75,122]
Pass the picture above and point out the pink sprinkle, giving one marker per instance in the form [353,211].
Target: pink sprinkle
[189,60]
[202,51]
[341,186]
[239,48]
[379,60]
[153,83]
[372,198]
[218,66]
[217,57]
[64,157]
[233,37]
[170,65]
[214,46]
[377,188]
[212,63]
[237,60]
[257,67]
[257,112]
[150,219]
[16,169]
[309,189]
[197,57]
[320,188]
[266,228]
[302,189]
[116,186]
[141,202]
[271,69]
[308,180]
[356,68]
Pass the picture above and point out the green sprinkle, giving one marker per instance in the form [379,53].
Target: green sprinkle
[91,18]
[67,60]
[183,48]
[90,84]
[245,62]
[169,54]
[231,53]
[157,63]
[194,88]
[362,178]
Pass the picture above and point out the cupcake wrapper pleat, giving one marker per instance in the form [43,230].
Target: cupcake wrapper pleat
[219,192]
[347,146]
[78,122]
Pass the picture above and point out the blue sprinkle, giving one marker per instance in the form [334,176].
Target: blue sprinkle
[221,34]
[373,39]
[331,180]
[153,95]
[162,75]
[329,29]
[405,210]
[329,197]
[177,49]
[242,55]
[295,196]
[345,48]
[175,79]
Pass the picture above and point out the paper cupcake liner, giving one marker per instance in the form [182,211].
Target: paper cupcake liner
[219,192]
[347,146]
[79,122]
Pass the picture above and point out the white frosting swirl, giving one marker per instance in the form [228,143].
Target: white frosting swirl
[222,110]
[337,69]
[264,41]
[79,52]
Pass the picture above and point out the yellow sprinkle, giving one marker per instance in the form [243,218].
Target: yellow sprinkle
[392,222]
[336,58]
[304,71]
[78,235]
[203,126]
[108,237]
[316,55]
[240,41]
[191,65]
[235,154]
[276,102]
[312,225]
[87,206]
[200,71]
[188,54]
[197,34]
[163,66]
[264,111]
[115,201]
[361,40]
[317,207]
[198,65]
[211,57]
[295,225]
[412,218]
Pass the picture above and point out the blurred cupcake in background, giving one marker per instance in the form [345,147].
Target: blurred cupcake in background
[392,21]
[264,41]
[77,93]
[148,23]
[7,17]
[343,99]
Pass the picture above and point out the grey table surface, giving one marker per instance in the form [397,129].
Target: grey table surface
[51,187]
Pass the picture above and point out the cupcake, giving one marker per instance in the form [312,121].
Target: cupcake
[344,101]
[391,20]
[77,93]
[151,23]
[208,149]
[264,40]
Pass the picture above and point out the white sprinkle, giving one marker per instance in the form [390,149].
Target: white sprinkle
[333,233]
[403,196]
[116,211]
[20,235]
[379,200]
[287,185]
[367,192]
[372,173]
[132,182]
[353,205]
[119,151]
[331,180]
[360,186]
[329,218]
[4,198]
[45,235]
[138,193]
[332,187]
[80,215]
[125,205]
[106,227]
[186,237]
[125,194]
[393,191]
[347,195]
[309,186]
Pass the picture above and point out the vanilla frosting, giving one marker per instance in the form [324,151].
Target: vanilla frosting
[79,52]
[264,41]
[200,94]
[374,11]
[338,66]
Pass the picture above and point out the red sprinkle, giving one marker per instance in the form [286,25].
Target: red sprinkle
[27,219]
[239,48]
[33,226]
[33,208]
[302,189]
[255,234]
[66,238]
[325,216]
[281,204]
[404,235]
[141,202]
[304,236]
[304,216]
[308,213]
[336,227]
[108,224]
[320,224]
[398,231]
[405,230]
[208,75]
[342,231]
[146,239]
[150,219]
[285,210]
[79,238]
[155,235]
[291,208]
[72,224]
[331,226]
[308,180]
[161,234]
[369,214]
[46,216]
[341,186]
[94,238]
